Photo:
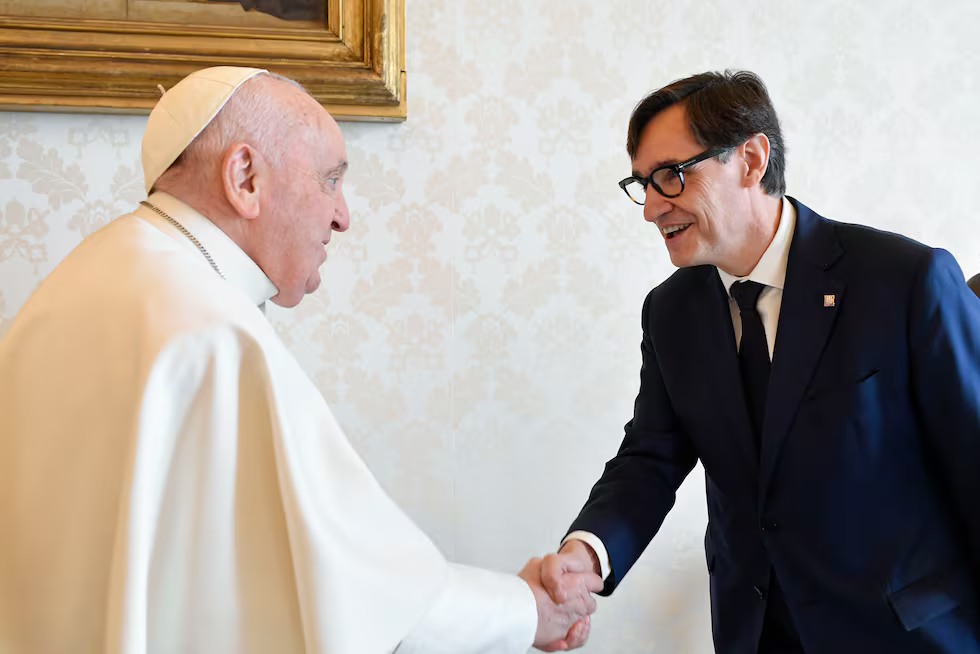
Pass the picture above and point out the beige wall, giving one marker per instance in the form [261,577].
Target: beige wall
[477,333]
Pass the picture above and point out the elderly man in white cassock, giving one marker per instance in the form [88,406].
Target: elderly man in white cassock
[170,479]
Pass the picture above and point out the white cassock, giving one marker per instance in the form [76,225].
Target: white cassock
[171,480]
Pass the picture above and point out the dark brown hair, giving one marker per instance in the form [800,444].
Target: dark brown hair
[723,111]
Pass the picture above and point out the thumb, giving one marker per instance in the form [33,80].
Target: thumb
[552,570]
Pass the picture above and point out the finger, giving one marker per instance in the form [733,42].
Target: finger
[594,582]
[583,583]
[582,601]
[578,635]
[552,572]
[590,604]
[581,606]
[582,588]
[557,646]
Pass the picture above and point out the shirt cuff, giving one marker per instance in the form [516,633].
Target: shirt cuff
[478,611]
[593,541]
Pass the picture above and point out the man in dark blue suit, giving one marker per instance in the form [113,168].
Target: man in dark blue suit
[826,375]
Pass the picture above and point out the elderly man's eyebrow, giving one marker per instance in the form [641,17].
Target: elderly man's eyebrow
[337,170]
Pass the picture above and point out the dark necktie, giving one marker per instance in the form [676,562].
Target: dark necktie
[778,631]
[753,352]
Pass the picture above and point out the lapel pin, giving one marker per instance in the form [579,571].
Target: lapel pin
[829,300]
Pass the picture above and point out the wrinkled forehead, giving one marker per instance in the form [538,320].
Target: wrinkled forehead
[330,140]
[320,136]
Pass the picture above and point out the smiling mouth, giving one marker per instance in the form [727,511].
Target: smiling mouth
[670,231]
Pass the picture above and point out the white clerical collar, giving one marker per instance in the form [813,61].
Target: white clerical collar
[235,265]
[771,269]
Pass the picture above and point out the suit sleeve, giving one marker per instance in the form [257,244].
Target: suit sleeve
[638,486]
[944,334]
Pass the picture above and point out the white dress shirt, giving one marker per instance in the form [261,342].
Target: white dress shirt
[771,273]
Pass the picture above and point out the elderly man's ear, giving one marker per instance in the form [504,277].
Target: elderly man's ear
[240,177]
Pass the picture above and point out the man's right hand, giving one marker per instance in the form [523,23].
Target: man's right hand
[562,625]
[558,570]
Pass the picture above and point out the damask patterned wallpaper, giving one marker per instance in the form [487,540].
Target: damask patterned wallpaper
[477,332]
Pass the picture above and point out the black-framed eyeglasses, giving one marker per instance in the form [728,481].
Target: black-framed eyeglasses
[667,180]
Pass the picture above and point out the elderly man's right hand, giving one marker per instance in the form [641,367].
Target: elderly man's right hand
[564,624]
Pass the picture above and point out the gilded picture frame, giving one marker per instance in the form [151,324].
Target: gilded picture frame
[110,55]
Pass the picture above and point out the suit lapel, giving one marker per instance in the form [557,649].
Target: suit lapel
[806,319]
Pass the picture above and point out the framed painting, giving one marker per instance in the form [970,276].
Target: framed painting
[110,55]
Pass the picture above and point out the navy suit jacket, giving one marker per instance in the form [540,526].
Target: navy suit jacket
[865,499]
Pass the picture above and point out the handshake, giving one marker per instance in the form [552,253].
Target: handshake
[563,584]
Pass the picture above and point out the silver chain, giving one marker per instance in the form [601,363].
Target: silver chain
[185,233]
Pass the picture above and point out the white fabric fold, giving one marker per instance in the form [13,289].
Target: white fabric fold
[171,480]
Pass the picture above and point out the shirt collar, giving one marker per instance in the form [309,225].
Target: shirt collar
[236,266]
[771,269]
